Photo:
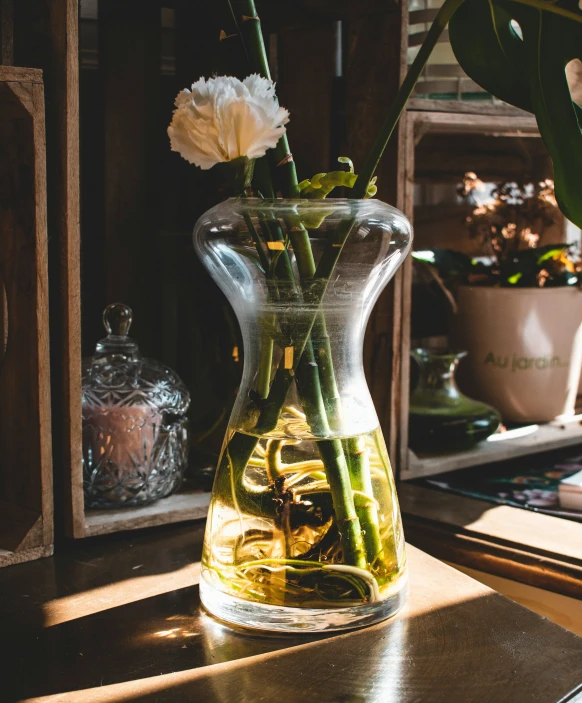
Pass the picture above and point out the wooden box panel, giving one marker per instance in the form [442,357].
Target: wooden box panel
[26,510]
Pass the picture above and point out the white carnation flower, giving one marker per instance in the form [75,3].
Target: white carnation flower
[223,118]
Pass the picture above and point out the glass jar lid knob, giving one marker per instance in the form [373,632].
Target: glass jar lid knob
[117,319]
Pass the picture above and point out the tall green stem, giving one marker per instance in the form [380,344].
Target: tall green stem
[317,388]
[445,13]
[249,25]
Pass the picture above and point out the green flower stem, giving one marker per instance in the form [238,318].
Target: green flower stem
[356,455]
[265,360]
[367,512]
[266,353]
[308,382]
[355,450]
[252,36]
[348,523]
[314,370]
[445,13]
[263,258]
[308,379]
[299,238]
[273,458]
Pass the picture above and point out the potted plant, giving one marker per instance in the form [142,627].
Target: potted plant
[519,306]
[304,530]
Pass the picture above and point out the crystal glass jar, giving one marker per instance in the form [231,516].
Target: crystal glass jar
[304,529]
[441,418]
[135,433]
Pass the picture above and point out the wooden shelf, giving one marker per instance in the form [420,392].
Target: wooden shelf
[467,107]
[530,439]
[177,508]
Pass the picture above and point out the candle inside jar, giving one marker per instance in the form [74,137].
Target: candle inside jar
[122,434]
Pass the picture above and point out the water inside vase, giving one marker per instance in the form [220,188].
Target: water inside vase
[286,546]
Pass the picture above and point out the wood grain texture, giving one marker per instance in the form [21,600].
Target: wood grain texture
[175,508]
[9,558]
[547,437]
[456,123]
[376,59]
[564,611]
[25,422]
[407,166]
[129,55]
[7,32]
[540,550]
[17,74]
[65,194]
[467,107]
[120,621]
[444,158]
[309,100]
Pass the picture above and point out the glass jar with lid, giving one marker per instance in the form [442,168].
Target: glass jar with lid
[135,429]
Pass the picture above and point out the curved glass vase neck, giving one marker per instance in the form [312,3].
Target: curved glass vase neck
[302,277]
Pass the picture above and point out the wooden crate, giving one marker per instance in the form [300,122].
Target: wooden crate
[450,119]
[125,204]
[26,500]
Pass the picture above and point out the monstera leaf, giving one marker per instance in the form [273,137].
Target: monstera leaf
[519,53]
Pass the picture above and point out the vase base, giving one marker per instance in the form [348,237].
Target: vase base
[259,616]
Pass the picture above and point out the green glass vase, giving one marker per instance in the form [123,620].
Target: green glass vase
[441,418]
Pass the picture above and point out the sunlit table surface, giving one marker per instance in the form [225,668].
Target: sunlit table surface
[118,619]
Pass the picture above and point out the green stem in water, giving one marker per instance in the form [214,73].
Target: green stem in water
[445,13]
[348,523]
[367,511]
[273,458]
[308,379]
[355,450]
[320,339]
[309,386]
[265,360]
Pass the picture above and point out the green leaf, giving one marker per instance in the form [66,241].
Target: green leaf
[449,263]
[531,74]
[515,278]
[551,42]
[490,51]
[550,251]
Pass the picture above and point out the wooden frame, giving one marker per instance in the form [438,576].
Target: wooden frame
[63,117]
[453,118]
[26,501]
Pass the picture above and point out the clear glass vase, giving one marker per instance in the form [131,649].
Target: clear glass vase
[441,418]
[304,529]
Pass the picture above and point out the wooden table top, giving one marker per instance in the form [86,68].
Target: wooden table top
[117,619]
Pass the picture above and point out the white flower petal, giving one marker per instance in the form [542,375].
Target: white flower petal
[221,119]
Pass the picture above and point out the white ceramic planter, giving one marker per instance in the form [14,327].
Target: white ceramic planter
[525,349]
